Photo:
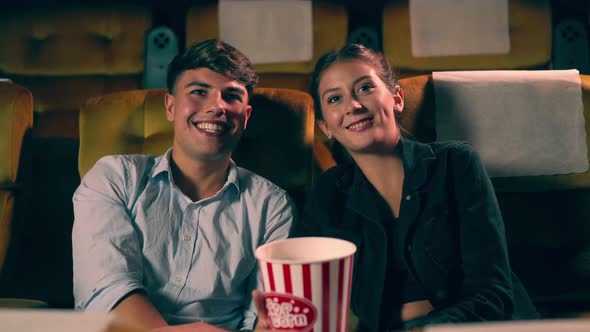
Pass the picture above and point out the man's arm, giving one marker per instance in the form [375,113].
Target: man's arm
[108,269]
[281,216]
[137,310]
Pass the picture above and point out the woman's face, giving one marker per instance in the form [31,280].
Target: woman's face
[358,108]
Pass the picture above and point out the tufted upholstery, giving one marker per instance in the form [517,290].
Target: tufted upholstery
[530,41]
[276,144]
[65,54]
[16,118]
[330,29]
[85,40]
[546,217]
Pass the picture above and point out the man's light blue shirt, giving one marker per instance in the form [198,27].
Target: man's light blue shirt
[135,230]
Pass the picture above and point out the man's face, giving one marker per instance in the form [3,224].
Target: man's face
[209,112]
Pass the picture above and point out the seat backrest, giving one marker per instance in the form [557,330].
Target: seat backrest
[546,217]
[16,118]
[330,30]
[276,144]
[529,31]
[65,54]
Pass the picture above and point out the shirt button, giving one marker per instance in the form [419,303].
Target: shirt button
[408,197]
[178,279]
[187,237]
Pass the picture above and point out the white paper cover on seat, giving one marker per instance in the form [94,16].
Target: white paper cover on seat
[556,325]
[459,27]
[56,321]
[268,31]
[522,123]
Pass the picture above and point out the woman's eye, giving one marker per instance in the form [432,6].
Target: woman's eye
[333,99]
[365,88]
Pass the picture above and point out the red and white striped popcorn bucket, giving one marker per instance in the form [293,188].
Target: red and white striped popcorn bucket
[307,283]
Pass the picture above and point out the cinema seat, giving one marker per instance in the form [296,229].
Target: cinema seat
[16,119]
[277,143]
[330,29]
[64,54]
[530,41]
[546,217]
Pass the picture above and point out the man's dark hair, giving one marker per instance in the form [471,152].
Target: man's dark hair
[217,56]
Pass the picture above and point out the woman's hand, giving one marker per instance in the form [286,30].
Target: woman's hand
[190,327]
[262,325]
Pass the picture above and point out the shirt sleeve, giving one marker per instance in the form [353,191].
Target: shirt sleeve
[107,260]
[282,213]
[487,291]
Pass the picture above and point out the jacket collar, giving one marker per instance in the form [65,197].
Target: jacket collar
[364,199]
[417,158]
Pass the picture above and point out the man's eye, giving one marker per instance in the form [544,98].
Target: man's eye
[333,99]
[199,92]
[232,97]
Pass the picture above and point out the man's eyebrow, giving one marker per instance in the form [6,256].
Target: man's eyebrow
[233,89]
[197,83]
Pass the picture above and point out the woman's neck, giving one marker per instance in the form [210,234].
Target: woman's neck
[386,173]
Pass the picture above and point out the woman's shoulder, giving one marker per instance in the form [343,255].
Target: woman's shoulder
[443,146]
[337,177]
[453,149]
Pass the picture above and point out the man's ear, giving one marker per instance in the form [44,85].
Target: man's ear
[248,113]
[398,98]
[169,104]
[324,128]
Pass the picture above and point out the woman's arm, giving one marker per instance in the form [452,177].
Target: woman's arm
[486,292]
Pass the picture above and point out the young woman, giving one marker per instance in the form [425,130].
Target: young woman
[430,235]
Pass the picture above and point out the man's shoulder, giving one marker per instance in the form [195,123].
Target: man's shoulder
[127,162]
[130,167]
[252,182]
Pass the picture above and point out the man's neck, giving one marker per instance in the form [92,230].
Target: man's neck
[198,179]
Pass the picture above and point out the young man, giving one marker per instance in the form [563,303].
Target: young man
[171,239]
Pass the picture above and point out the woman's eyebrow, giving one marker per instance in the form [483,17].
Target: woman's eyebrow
[360,79]
[329,90]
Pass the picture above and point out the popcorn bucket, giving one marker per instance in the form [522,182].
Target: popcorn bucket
[307,283]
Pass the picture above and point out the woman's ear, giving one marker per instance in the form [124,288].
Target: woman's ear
[324,128]
[398,99]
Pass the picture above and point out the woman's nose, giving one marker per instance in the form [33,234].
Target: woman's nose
[355,106]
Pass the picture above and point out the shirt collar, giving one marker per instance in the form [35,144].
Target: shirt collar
[163,165]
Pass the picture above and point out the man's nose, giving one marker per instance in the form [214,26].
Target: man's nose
[216,104]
